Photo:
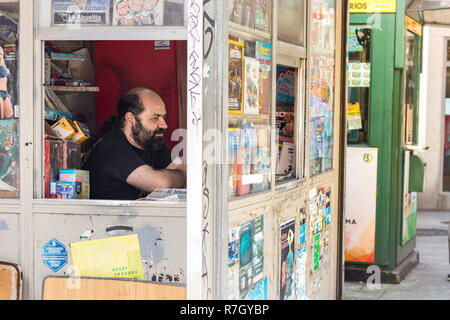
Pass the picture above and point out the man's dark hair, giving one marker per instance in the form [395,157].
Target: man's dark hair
[129,102]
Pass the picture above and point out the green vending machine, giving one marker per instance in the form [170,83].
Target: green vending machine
[384,171]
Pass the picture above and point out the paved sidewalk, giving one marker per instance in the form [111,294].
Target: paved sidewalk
[428,280]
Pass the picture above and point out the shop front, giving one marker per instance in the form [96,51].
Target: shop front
[253,106]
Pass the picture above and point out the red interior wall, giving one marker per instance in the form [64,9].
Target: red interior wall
[123,65]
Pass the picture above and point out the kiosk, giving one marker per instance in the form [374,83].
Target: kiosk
[260,102]
[383,117]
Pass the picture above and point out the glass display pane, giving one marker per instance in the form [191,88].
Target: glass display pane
[285,122]
[9,101]
[358,82]
[322,61]
[88,13]
[251,14]
[291,21]
[249,75]
[411,94]
[446,178]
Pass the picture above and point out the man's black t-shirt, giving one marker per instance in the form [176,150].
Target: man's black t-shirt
[113,159]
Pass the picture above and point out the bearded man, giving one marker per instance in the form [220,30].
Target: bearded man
[132,159]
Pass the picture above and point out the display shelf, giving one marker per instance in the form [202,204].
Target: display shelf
[247,33]
[73,89]
[112,33]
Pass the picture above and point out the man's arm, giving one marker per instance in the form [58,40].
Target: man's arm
[147,179]
[177,164]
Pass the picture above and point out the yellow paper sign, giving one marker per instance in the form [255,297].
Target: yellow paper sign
[413,26]
[353,109]
[116,257]
[373,6]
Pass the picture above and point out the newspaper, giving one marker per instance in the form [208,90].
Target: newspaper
[167,195]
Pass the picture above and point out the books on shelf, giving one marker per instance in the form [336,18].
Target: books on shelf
[53,100]
[252,14]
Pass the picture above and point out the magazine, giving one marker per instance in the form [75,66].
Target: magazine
[235,75]
[9,68]
[251,84]
[138,12]
[177,195]
[248,14]
[264,56]
[80,12]
[235,10]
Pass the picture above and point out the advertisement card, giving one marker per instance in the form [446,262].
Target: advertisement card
[80,12]
[245,258]
[359,75]
[258,249]
[287,263]
[233,263]
[300,274]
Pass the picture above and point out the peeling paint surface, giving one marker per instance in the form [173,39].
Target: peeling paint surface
[3,225]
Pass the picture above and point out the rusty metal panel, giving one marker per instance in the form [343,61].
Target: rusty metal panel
[9,237]
[161,238]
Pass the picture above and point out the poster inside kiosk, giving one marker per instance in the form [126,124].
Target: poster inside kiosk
[373,6]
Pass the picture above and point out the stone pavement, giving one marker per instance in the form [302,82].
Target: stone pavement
[428,280]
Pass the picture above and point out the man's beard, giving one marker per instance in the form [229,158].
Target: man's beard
[147,139]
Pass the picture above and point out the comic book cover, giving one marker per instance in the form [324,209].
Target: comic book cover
[9,68]
[262,13]
[258,249]
[287,260]
[80,12]
[235,11]
[251,84]
[9,157]
[233,263]
[264,56]
[245,257]
[138,12]
[235,76]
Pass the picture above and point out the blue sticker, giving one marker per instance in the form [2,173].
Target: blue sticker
[54,254]
[302,233]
